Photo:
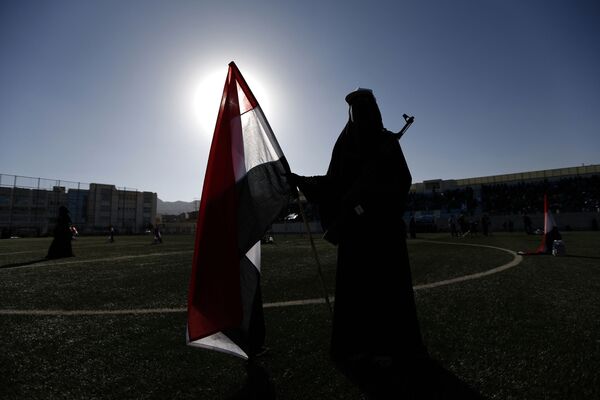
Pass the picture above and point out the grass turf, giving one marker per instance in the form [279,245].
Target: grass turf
[528,332]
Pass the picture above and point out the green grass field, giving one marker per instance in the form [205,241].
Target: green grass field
[529,332]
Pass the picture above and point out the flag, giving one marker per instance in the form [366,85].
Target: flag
[549,224]
[245,189]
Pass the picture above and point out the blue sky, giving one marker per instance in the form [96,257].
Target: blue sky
[117,91]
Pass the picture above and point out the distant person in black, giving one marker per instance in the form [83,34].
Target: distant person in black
[61,244]
[485,224]
[361,200]
[551,236]
[452,224]
[412,227]
[111,234]
[462,223]
[527,224]
[157,235]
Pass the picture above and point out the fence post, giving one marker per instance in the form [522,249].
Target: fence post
[36,206]
[56,199]
[123,209]
[12,200]
[78,207]
[111,209]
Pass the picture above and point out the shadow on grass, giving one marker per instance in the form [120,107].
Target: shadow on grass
[23,264]
[258,386]
[423,379]
[561,256]
[578,256]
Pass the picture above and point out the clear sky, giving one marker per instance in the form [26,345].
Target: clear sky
[123,92]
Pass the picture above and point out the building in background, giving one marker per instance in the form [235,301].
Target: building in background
[437,185]
[29,206]
[573,193]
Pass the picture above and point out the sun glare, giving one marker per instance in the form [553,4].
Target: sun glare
[208,92]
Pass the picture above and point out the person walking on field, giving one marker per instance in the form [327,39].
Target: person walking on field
[361,200]
[412,227]
[157,235]
[61,244]
[452,225]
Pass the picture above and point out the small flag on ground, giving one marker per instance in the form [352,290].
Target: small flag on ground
[549,224]
[245,189]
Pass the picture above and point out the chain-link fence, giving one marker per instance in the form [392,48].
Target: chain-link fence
[29,206]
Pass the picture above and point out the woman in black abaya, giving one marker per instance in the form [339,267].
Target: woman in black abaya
[362,199]
[61,244]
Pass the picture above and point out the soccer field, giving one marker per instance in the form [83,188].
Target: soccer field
[110,322]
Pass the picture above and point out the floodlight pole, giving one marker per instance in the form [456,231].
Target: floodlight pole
[316,255]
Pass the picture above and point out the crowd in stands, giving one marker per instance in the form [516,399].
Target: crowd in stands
[565,195]
[448,200]
[576,194]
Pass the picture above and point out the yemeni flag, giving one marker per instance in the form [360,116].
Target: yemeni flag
[245,189]
[549,224]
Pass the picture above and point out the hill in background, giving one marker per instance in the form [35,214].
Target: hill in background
[175,207]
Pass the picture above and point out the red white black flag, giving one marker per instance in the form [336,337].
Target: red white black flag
[245,189]
[549,224]
[547,239]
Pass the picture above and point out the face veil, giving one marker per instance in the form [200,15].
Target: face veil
[364,123]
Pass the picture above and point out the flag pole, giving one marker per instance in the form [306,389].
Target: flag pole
[316,255]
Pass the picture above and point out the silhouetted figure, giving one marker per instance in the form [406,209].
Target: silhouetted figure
[452,226]
[508,225]
[403,230]
[412,227]
[551,236]
[473,226]
[485,224]
[527,224]
[361,200]
[61,244]
[157,235]
[268,238]
[111,234]
[463,225]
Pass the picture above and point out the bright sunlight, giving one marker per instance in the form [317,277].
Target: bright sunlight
[209,89]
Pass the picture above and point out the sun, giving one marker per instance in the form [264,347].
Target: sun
[209,90]
[206,99]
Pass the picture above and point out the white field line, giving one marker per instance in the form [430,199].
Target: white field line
[144,310]
[119,258]
[21,252]
[76,248]
[92,312]
[515,261]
